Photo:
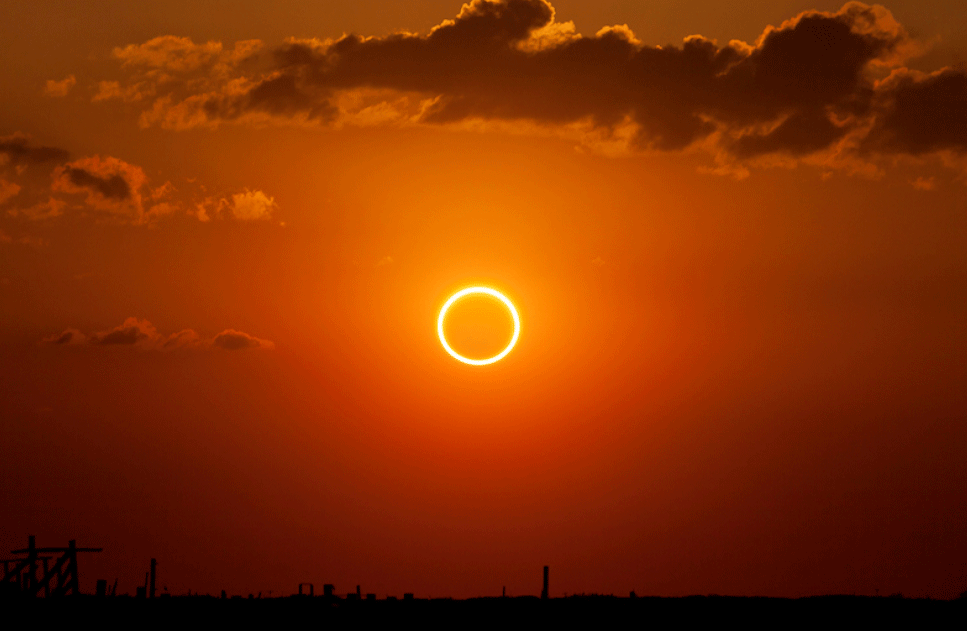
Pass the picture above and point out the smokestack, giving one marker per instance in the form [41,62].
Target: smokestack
[31,577]
[154,570]
[359,593]
[544,595]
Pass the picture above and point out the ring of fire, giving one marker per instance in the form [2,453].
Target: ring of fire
[467,292]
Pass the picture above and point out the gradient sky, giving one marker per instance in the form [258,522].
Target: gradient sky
[226,229]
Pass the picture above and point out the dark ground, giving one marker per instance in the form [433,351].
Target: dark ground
[577,611]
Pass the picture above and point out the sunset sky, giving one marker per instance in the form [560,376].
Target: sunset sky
[736,235]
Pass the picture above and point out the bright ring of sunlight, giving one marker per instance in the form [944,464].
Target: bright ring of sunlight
[467,292]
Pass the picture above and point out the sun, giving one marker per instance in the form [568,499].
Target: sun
[469,291]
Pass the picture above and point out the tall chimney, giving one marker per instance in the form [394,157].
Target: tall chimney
[544,595]
[154,570]
[31,577]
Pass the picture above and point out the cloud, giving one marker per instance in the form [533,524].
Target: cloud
[186,338]
[107,188]
[59,88]
[246,205]
[114,186]
[108,184]
[921,113]
[130,332]
[805,88]
[180,54]
[44,209]
[140,333]
[69,336]
[252,205]
[232,340]
[110,90]
[16,150]
[8,190]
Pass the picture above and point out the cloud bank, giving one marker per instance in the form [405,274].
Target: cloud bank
[139,333]
[826,84]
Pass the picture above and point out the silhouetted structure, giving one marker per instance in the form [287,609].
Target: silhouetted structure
[327,590]
[20,574]
[154,570]
[544,593]
[311,589]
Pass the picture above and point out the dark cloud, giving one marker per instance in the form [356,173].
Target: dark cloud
[114,187]
[18,151]
[68,337]
[922,113]
[805,86]
[63,338]
[800,134]
[130,332]
[232,340]
[487,64]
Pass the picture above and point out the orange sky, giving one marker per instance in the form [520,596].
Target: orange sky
[739,268]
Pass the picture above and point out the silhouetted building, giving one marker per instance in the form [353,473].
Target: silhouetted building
[544,593]
[408,596]
[101,587]
[327,590]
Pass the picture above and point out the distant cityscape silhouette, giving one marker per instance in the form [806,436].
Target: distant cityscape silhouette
[50,575]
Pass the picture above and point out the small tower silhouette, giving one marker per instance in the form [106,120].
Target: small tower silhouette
[154,572]
[544,595]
